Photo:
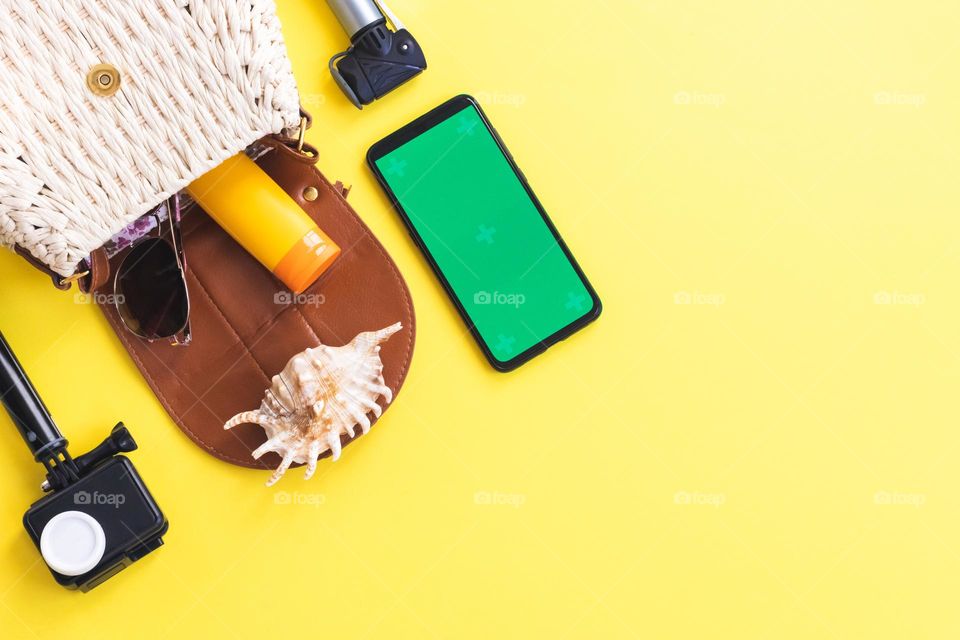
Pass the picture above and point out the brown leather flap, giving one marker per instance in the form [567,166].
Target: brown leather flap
[246,325]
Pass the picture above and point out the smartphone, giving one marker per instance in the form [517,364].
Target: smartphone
[470,210]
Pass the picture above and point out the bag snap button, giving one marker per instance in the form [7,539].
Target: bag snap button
[103,79]
[310,194]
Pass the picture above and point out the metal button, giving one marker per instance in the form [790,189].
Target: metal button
[310,194]
[103,79]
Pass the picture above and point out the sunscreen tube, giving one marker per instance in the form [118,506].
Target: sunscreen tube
[267,222]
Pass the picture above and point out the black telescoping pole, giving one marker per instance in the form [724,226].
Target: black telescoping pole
[27,409]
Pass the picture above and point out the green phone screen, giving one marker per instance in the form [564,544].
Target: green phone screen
[485,234]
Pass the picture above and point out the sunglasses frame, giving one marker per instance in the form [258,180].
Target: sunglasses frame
[182,336]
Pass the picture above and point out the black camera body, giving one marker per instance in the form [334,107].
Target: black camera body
[379,59]
[114,495]
[98,516]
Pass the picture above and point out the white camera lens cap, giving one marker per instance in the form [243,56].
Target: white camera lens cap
[72,543]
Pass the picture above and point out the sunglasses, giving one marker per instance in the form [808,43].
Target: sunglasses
[150,286]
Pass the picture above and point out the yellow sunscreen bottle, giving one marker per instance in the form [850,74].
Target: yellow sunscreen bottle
[267,222]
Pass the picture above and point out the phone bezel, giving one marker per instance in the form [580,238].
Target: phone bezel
[420,126]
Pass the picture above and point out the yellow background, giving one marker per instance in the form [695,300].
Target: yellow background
[776,459]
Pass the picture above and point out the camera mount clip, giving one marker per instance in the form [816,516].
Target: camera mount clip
[378,59]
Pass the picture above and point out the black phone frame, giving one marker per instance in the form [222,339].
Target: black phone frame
[419,126]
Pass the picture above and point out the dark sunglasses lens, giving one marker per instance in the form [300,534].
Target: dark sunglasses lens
[152,295]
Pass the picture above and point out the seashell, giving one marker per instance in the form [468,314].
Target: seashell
[322,393]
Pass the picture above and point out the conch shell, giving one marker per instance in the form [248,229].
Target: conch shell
[322,393]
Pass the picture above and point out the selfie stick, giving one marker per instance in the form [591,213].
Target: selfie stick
[98,516]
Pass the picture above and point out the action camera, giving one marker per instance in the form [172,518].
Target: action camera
[98,516]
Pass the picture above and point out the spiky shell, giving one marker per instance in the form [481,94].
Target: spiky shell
[322,393]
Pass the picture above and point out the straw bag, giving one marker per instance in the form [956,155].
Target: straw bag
[110,107]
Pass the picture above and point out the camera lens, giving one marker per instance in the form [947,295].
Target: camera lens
[72,543]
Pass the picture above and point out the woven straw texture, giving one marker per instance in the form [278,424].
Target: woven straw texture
[199,81]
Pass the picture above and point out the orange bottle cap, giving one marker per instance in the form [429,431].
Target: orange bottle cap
[306,261]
